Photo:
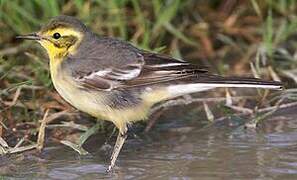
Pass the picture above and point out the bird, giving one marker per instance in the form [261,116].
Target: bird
[113,80]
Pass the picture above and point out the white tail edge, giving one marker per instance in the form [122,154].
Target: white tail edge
[182,89]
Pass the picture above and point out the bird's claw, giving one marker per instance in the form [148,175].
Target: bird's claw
[109,169]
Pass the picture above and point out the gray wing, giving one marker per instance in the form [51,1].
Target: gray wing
[109,64]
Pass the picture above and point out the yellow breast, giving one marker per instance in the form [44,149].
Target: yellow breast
[70,91]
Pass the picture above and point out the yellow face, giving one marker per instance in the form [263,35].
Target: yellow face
[59,41]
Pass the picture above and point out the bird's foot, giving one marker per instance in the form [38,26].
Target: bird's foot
[109,169]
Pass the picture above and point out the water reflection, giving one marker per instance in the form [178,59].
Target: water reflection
[186,149]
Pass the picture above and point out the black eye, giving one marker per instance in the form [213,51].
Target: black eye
[56,35]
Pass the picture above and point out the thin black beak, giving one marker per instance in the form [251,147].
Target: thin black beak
[32,36]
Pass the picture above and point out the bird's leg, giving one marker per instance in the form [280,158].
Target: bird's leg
[116,145]
[117,148]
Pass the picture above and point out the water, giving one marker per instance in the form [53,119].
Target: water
[187,148]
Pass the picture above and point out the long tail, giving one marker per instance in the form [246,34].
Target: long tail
[206,82]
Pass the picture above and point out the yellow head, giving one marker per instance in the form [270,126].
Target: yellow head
[60,37]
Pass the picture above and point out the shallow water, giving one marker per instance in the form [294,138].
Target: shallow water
[178,147]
